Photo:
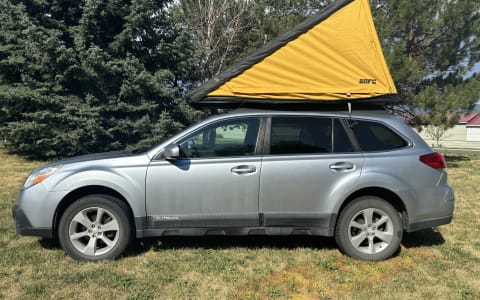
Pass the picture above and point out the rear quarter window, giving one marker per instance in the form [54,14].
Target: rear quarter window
[372,136]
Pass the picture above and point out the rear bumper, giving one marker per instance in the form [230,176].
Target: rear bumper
[23,226]
[435,208]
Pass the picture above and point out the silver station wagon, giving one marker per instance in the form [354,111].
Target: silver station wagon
[362,178]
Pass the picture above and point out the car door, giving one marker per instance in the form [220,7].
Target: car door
[214,183]
[311,165]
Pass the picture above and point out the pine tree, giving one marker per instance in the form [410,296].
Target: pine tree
[88,76]
[429,47]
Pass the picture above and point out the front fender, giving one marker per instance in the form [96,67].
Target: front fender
[128,182]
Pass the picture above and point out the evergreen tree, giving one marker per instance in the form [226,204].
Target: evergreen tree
[88,76]
[429,47]
[80,76]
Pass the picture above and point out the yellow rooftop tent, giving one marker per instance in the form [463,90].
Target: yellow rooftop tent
[333,56]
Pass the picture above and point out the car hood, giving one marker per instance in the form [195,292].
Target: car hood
[97,156]
[91,158]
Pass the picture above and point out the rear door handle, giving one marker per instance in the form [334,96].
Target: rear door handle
[342,166]
[243,170]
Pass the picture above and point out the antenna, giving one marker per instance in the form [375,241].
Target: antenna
[351,122]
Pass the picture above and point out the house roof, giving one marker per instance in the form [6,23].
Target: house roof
[334,56]
[474,121]
[470,119]
[466,118]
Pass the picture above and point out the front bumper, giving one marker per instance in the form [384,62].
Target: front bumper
[24,227]
[34,211]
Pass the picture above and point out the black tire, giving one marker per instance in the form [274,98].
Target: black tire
[369,228]
[95,227]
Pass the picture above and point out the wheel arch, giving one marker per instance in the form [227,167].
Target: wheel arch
[82,192]
[389,196]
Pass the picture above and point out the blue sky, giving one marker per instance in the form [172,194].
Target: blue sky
[475,69]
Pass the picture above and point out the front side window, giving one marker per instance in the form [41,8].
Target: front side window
[235,137]
[374,136]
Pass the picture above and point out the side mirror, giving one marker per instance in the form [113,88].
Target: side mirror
[171,152]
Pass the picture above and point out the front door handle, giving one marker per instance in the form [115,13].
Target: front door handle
[243,170]
[342,166]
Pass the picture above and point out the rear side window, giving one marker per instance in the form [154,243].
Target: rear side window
[297,135]
[372,136]
[304,135]
[341,142]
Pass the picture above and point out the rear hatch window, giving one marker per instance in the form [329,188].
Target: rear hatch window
[372,136]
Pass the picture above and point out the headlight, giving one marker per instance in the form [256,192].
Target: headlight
[39,176]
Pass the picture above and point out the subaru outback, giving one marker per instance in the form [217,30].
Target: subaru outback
[363,178]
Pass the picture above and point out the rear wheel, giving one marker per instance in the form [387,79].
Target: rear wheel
[96,227]
[369,228]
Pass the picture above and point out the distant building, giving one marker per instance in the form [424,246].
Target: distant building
[472,124]
[466,130]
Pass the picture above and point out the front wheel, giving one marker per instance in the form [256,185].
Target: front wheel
[95,227]
[369,228]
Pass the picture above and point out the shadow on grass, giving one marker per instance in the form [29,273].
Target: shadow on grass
[453,161]
[226,242]
[423,238]
[49,244]
[140,246]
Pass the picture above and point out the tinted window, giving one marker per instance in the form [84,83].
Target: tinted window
[373,136]
[297,135]
[227,138]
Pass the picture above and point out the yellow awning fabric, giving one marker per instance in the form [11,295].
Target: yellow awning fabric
[340,58]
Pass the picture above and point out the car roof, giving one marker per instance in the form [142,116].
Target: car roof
[380,114]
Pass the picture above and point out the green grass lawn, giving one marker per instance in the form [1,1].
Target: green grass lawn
[442,263]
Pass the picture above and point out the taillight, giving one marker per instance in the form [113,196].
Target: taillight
[434,160]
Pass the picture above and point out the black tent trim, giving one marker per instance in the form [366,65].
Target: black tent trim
[238,102]
[201,92]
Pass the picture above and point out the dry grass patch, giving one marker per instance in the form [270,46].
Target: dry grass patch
[442,263]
